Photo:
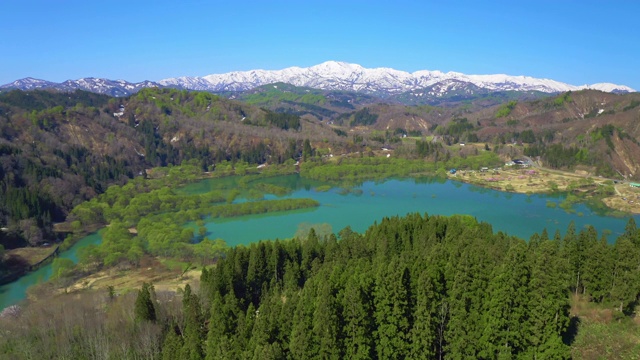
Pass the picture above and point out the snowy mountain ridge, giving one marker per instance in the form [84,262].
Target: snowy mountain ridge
[96,85]
[334,75]
[330,75]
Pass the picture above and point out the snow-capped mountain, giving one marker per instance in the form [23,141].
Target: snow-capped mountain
[101,86]
[333,75]
[330,75]
[29,84]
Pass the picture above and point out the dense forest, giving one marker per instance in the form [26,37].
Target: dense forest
[415,287]
[60,149]
[418,287]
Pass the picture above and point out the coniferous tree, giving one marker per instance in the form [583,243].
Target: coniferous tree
[598,270]
[358,315]
[429,292]
[326,324]
[392,310]
[172,346]
[548,309]
[220,337]
[193,333]
[506,307]
[144,309]
[303,344]
[626,278]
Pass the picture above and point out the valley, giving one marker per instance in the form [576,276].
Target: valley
[181,179]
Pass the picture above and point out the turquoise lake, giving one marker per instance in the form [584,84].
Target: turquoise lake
[516,214]
[16,291]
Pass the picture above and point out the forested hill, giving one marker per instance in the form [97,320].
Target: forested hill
[418,287]
[59,149]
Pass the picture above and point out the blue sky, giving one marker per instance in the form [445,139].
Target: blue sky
[576,42]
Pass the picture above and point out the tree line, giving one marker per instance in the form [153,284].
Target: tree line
[417,287]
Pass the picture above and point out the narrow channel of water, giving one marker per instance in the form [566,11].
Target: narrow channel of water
[17,291]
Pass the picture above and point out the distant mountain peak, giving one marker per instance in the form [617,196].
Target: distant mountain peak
[338,75]
[329,75]
[91,84]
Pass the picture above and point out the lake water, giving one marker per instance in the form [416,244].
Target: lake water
[517,214]
[16,291]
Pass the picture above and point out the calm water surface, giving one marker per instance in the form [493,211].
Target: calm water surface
[16,291]
[516,214]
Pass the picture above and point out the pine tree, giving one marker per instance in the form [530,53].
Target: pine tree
[144,309]
[357,305]
[626,278]
[172,346]
[505,314]
[428,301]
[326,324]
[392,310]
[548,314]
[193,334]
[598,270]
[221,335]
[303,344]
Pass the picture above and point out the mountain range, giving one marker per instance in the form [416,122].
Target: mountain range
[331,75]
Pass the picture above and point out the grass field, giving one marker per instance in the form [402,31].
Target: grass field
[602,333]
[165,275]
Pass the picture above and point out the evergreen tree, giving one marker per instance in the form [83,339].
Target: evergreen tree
[326,324]
[144,309]
[172,346]
[303,344]
[392,310]
[626,277]
[222,326]
[598,270]
[193,333]
[357,305]
[506,307]
[548,309]
[428,301]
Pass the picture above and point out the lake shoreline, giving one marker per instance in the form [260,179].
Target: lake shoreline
[527,181]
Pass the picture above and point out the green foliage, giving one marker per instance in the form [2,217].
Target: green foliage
[280,92]
[556,155]
[340,132]
[412,287]
[144,309]
[527,136]
[632,105]
[61,268]
[425,148]
[363,117]
[419,287]
[506,109]
[562,99]
[455,128]
[283,121]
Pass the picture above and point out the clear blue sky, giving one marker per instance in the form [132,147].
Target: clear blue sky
[576,42]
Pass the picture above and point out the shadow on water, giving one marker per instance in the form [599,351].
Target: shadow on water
[569,336]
